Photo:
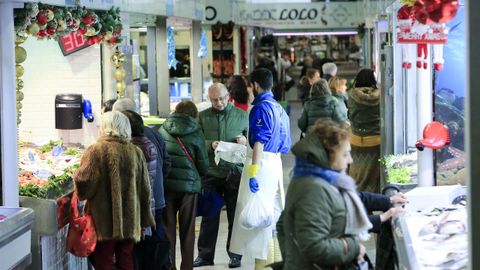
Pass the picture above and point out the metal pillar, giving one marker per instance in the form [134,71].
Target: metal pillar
[472,130]
[424,116]
[163,80]
[8,111]
[152,70]
[387,124]
[196,64]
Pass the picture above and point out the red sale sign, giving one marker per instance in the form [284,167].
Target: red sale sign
[71,43]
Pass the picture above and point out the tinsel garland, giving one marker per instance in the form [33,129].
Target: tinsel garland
[52,22]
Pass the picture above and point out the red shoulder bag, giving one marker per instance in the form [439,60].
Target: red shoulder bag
[81,238]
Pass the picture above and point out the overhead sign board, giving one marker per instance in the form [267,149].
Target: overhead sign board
[331,15]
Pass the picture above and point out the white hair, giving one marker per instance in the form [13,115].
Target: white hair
[220,86]
[124,104]
[116,124]
[329,68]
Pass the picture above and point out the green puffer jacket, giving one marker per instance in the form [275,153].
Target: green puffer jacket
[184,176]
[364,111]
[314,217]
[323,106]
[222,126]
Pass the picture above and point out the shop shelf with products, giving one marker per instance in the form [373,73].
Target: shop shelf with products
[222,51]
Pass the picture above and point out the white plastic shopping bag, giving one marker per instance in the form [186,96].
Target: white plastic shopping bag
[231,152]
[257,213]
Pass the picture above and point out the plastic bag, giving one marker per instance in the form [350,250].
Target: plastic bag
[257,213]
[230,152]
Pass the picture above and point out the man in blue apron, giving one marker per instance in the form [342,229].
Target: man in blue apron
[269,136]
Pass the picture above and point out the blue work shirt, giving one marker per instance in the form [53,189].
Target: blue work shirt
[269,124]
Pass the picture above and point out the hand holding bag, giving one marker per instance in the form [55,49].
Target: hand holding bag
[81,238]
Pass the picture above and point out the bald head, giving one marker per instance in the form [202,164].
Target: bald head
[218,95]
[124,104]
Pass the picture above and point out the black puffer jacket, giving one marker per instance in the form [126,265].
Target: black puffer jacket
[150,152]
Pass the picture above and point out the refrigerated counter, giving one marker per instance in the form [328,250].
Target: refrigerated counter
[15,237]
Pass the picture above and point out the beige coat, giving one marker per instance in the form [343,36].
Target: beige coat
[113,178]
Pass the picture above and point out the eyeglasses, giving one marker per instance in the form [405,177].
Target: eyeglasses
[219,99]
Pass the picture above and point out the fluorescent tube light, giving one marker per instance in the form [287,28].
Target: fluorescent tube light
[336,33]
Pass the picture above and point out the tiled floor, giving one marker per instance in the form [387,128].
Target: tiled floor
[221,256]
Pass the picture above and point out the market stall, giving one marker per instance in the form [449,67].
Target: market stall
[56,125]
[433,233]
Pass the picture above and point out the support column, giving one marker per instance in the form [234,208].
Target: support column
[424,116]
[109,90]
[236,49]
[152,70]
[472,130]
[196,64]
[163,79]
[8,110]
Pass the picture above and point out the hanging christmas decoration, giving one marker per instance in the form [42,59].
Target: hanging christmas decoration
[423,23]
[203,51]
[20,57]
[172,61]
[52,22]
[118,60]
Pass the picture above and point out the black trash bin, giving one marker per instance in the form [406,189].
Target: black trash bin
[68,111]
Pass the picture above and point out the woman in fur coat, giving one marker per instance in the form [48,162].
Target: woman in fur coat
[113,178]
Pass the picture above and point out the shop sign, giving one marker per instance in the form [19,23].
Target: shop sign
[72,43]
[419,33]
[300,16]
[218,10]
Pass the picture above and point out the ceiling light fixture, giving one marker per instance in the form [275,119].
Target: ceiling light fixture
[336,33]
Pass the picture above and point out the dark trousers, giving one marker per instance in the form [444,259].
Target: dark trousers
[209,226]
[159,229]
[105,251]
[185,205]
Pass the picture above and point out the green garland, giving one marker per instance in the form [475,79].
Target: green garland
[52,22]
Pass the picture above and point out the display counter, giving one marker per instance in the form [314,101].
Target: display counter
[15,237]
[435,237]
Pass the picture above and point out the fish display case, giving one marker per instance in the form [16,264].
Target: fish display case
[15,237]
[433,237]
[45,185]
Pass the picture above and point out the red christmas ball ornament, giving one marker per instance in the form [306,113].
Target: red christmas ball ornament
[432,5]
[42,19]
[82,31]
[51,31]
[404,13]
[90,41]
[446,12]
[420,13]
[113,40]
[88,20]
[42,33]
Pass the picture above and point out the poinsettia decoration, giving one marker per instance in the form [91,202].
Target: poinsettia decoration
[52,22]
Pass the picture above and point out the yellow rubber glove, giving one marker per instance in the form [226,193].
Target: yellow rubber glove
[252,170]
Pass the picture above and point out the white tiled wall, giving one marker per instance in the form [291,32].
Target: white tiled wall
[47,73]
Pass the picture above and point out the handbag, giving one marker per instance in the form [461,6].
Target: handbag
[151,253]
[209,203]
[81,237]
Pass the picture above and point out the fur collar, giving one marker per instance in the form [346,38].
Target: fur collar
[365,95]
